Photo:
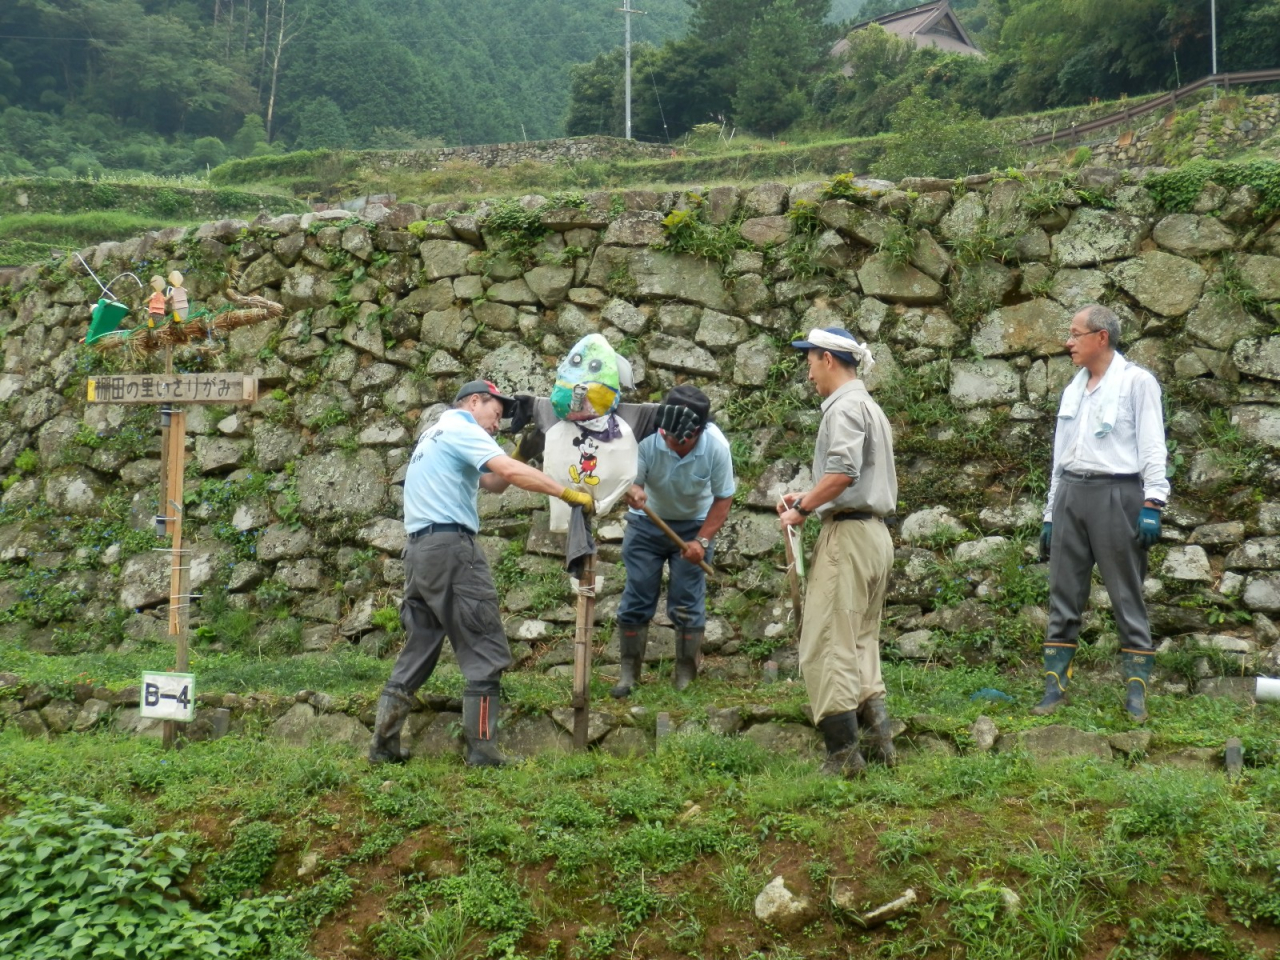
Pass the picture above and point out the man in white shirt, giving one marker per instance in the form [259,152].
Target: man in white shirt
[1106,491]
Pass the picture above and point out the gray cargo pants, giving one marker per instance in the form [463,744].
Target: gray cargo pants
[448,590]
[1095,521]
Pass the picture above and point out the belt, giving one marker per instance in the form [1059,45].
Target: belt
[855,515]
[1091,475]
[441,528]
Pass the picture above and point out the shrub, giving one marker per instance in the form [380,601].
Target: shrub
[934,140]
[73,885]
[244,866]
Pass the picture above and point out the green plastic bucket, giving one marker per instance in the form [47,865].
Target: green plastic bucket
[106,318]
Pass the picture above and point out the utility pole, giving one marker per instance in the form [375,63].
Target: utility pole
[626,11]
[1213,39]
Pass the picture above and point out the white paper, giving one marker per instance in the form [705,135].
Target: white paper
[168,696]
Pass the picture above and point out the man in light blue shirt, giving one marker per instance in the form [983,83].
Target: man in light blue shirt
[448,589]
[688,482]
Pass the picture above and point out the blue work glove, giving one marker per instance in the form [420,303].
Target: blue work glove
[1148,527]
[1046,540]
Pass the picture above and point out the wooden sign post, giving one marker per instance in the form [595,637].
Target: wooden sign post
[166,390]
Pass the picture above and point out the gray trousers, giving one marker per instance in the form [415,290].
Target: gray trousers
[1095,521]
[448,590]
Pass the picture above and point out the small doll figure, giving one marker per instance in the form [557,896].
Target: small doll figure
[177,294]
[155,305]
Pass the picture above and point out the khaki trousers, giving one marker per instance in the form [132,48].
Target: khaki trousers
[840,637]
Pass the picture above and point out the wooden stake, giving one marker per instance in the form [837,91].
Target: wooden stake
[793,577]
[582,651]
[174,467]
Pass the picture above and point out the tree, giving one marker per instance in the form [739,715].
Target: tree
[723,29]
[594,96]
[935,140]
[321,125]
[208,152]
[251,133]
[780,53]
[286,30]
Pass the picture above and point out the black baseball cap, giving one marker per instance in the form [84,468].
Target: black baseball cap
[692,398]
[488,388]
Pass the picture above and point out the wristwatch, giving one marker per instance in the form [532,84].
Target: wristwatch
[798,507]
[706,544]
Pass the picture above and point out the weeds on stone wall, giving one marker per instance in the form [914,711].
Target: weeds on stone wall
[516,230]
[899,243]
[687,232]
[1177,190]
[1232,285]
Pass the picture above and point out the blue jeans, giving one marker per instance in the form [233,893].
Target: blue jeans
[645,550]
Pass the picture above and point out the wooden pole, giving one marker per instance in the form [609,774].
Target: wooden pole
[674,537]
[174,464]
[793,578]
[582,652]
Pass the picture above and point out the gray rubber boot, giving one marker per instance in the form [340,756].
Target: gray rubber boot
[394,707]
[688,656]
[633,638]
[876,732]
[840,733]
[1057,676]
[480,727]
[1137,674]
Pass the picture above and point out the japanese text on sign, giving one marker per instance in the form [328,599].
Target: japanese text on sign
[168,696]
[175,388]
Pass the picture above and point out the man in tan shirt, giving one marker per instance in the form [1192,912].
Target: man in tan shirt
[855,489]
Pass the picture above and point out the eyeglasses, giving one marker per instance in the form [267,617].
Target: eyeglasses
[1073,337]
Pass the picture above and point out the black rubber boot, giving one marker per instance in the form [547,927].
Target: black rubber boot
[688,656]
[1137,673]
[840,731]
[394,707]
[876,733]
[1057,675]
[480,726]
[633,638]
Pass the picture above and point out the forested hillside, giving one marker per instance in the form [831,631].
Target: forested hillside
[763,65]
[178,86]
[169,86]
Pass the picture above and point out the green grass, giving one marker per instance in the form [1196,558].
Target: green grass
[794,156]
[587,855]
[29,237]
[1176,721]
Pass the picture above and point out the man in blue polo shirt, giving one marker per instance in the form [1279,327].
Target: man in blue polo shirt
[448,589]
[688,482]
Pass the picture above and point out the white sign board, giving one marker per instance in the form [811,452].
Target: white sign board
[168,696]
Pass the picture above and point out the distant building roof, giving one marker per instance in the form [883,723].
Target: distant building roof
[928,25]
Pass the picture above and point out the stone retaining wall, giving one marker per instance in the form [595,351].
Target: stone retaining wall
[294,514]
[434,728]
[1212,129]
[510,154]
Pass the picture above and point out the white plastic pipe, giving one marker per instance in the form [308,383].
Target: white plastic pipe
[1268,689]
